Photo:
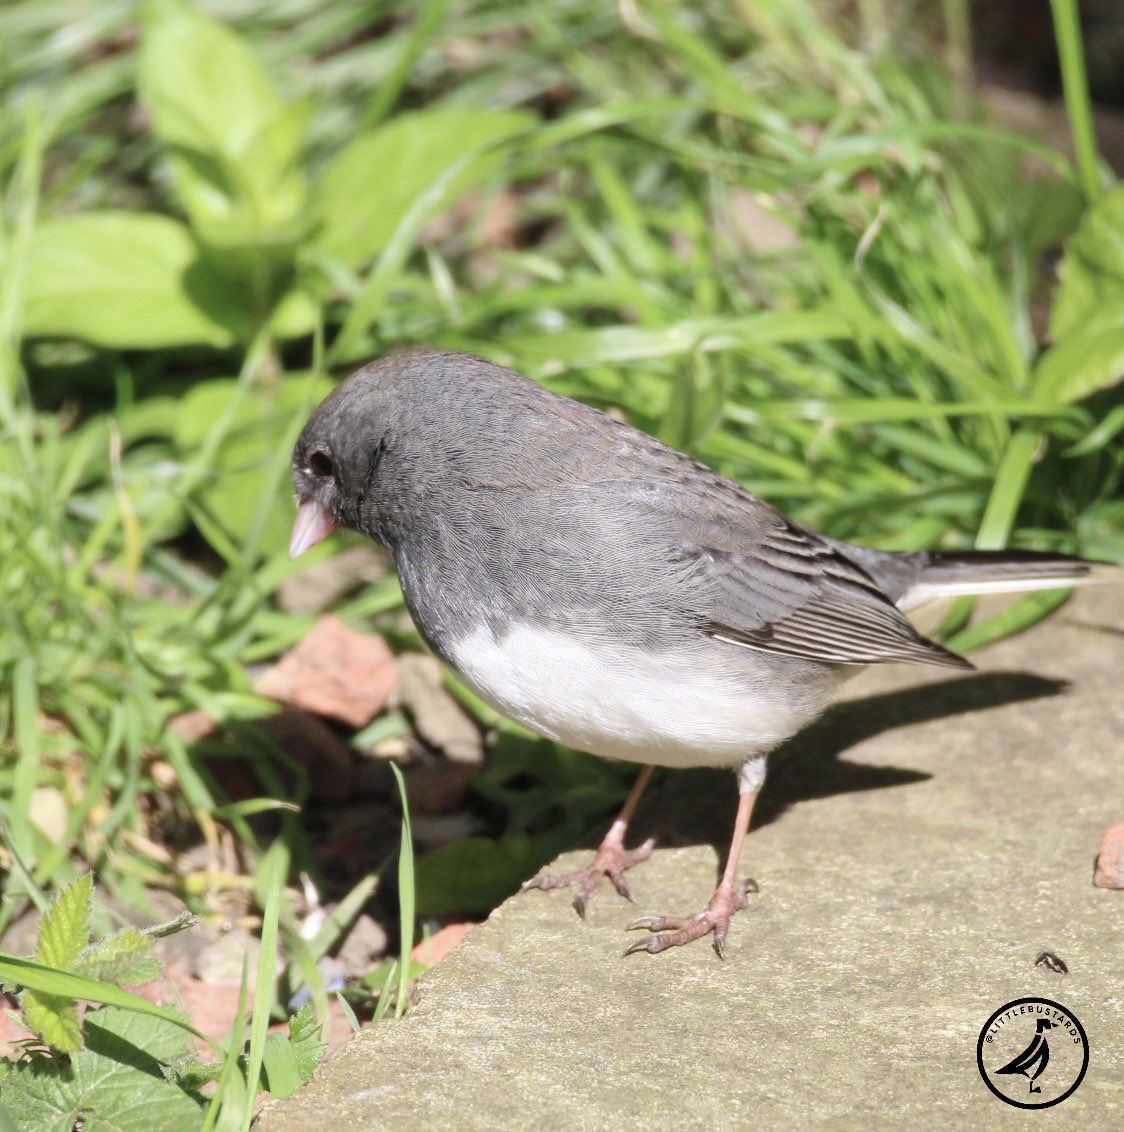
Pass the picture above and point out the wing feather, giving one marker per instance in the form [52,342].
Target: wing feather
[796,595]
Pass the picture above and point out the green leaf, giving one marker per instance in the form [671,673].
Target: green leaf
[366,190]
[192,1074]
[65,927]
[120,958]
[341,916]
[1088,358]
[270,881]
[7,1121]
[305,1031]
[202,86]
[236,144]
[279,1066]
[1092,273]
[124,280]
[116,1084]
[475,875]
[54,1019]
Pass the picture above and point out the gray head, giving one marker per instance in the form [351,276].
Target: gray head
[394,430]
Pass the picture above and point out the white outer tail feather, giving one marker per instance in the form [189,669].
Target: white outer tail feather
[923,592]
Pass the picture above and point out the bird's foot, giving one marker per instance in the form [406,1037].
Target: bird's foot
[611,860]
[677,930]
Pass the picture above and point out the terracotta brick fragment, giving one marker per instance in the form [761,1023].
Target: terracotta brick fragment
[336,672]
[1110,863]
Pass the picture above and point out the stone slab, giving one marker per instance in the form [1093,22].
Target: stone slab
[916,850]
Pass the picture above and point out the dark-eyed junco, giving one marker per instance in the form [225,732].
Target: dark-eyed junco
[609,592]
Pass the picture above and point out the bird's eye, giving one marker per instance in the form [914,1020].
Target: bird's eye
[320,463]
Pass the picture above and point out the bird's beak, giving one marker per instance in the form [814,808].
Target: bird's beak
[313,524]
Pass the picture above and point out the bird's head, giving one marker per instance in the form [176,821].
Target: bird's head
[335,461]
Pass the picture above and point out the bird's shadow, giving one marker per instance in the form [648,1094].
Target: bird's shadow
[697,806]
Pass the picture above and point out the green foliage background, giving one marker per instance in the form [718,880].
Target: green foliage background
[782,239]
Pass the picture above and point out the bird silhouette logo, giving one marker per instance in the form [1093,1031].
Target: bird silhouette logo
[1053,1057]
[1032,1062]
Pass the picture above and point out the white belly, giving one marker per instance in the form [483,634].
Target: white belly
[634,705]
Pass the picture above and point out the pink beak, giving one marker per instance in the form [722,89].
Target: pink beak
[313,524]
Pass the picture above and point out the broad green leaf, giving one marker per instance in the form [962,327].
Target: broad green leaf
[1088,358]
[192,1073]
[1092,273]
[116,1084]
[235,142]
[124,280]
[365,191]
[475,875]
[200,83]
[65,927]
[7,1121]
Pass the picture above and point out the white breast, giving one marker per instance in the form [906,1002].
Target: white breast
[635,705]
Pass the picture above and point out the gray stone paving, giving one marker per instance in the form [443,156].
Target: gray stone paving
[915,852]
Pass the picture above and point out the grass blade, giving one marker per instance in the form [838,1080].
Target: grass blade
[406,897]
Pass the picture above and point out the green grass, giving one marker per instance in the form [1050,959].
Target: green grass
[789,244]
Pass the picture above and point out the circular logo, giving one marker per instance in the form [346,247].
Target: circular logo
[1032,1053]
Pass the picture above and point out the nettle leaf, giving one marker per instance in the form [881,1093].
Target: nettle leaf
[366,190]
[119,958]
[305,1031]
[120,279]
[116,1084]
[64,929]
[1092,272]
[192,1074]
[54,1019]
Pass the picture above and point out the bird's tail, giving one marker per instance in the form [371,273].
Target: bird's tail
[997,572]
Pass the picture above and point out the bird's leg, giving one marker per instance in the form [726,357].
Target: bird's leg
[611,859]
[729,897]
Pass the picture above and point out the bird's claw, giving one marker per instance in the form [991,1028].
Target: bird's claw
[611,860]
[674,931]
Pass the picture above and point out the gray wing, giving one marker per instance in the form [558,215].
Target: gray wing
[794,594]
[763,582]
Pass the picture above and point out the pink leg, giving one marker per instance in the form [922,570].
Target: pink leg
[729,897]
[611,859]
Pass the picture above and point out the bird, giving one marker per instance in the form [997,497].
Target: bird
[612,593]
[1032,1062]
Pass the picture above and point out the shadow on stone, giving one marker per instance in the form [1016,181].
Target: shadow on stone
[692,807]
